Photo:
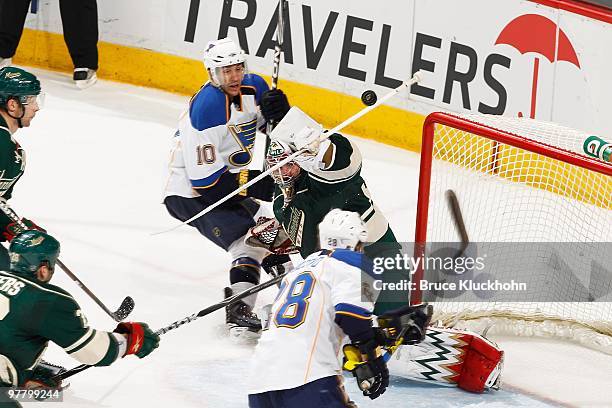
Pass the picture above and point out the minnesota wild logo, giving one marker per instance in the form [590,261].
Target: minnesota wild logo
[20,156]
[36,241]
[275,149]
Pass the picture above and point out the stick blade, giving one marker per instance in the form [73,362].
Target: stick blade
[125,309]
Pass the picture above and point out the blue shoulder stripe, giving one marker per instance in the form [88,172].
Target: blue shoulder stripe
[258,82]
[210,180]
[352,310]
[208,108]
[356,259]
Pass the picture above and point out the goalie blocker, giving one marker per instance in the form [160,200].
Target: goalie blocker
[452,358]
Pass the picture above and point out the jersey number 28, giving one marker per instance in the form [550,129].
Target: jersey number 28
[292,312]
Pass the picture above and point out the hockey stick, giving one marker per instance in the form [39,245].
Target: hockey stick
[126,306]
[278,49]
[416,78]
[453,203]
[224,303]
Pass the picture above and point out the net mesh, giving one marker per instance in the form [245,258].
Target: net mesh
[511,195]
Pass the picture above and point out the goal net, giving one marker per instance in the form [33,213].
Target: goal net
[536,209]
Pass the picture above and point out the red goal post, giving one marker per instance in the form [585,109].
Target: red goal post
[540,166]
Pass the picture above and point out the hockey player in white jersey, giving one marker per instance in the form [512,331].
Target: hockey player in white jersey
[213,149]
[296,361]
[320,302]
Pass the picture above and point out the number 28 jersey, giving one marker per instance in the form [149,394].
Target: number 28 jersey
[302,341]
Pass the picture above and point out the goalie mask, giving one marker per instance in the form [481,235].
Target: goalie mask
[223,57]
[342,229]
[286,175]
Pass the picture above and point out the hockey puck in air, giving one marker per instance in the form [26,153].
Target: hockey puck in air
[369,98]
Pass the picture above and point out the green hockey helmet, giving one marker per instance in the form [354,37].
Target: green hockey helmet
[30,249]
[17,83]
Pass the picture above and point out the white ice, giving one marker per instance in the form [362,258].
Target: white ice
[95,168]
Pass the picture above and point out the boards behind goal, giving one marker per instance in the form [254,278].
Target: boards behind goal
[538,209]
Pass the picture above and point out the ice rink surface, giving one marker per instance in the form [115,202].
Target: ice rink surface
[94,176]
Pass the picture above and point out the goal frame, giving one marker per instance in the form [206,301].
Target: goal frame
[500,136]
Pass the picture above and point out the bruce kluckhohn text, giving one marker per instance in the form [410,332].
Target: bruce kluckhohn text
[460,285]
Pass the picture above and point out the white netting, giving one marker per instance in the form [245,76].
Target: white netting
[511,195]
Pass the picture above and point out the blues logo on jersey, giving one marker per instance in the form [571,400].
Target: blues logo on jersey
[244,134]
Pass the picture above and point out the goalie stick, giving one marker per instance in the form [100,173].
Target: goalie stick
[212,308]
[127,305]
[407,84]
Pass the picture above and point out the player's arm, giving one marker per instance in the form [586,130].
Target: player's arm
[363,356]
[65,324]
[7,159]
[334,162]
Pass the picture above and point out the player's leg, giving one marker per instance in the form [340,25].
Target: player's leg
[80,24]
[12,19]
[244,273]
[261,400]
[327,392]
[223,225]
[227,226]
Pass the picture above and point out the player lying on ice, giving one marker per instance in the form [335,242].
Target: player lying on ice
[34,312]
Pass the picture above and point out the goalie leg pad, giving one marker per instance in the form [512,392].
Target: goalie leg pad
[482,365]
[452,358]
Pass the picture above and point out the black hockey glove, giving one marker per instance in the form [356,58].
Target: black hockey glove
[368,366]
[408,323]
[262,190]
[274,105]
[43,376]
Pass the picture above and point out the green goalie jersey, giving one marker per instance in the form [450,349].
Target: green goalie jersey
[34,313]
[340,185]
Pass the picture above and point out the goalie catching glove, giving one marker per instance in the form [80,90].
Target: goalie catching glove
[141,340]
[268,233]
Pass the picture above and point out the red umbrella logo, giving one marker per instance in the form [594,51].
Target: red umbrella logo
[536,33]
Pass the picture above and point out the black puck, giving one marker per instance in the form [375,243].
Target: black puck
[369,98]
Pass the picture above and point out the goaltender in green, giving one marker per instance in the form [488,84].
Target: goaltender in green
[325,176]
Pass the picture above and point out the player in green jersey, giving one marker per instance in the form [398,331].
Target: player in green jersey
[34,312]
[326,176]
[20,99]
